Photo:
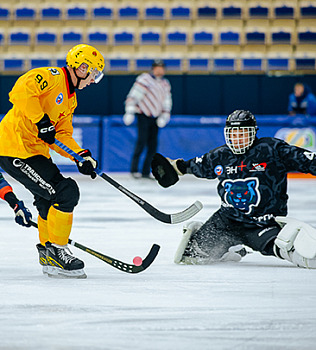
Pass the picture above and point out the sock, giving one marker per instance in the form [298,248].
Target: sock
[42,230]
[59,225]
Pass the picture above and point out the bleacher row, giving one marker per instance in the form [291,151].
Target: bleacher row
[196,35]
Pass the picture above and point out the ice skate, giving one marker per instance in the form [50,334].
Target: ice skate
[61,263]
[42,256]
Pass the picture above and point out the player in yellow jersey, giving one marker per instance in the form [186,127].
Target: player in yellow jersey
[44,100]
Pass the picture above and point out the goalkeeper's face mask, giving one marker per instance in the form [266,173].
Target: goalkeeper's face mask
[240,139]
[86,77]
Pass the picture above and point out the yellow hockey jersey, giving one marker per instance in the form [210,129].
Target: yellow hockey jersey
[39,91]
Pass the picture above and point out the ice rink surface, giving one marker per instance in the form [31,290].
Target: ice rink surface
[258,303]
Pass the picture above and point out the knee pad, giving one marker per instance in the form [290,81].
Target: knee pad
[42,206]
[67,195]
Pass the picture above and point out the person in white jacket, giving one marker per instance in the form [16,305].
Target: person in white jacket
[150,100]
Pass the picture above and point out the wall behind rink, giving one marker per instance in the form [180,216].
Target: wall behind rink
[112,143]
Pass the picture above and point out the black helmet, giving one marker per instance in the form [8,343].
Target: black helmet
[158,63]
[240,131]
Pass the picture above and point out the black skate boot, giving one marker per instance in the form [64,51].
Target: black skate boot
[42,256]
[61,264]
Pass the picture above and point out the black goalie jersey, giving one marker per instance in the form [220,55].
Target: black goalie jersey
[253,186]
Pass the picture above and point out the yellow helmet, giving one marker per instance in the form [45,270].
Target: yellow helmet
[90,56]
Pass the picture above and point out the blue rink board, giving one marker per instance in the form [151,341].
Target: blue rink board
[112,143]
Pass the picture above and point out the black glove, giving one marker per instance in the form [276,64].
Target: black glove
[22,215]
[87,167]
[163,171]
[46,130]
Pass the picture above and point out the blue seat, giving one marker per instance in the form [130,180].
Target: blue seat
[231,12]
[180,12]
[176,38]
[202,38]
[71,37]
[229,38]
[102,12]
[224,64]
[206,12]
[278,64]
[76,12]
[305,64]
[19,38]
[128,13]
[199,64]
[1,39]
[61,62]
[13,64]
[252,64]
[150,38]
[174,64]
[25,13]
[284,12]
[118,64]
[143,64]
[258,12]
[308,11]
[45,38]
[154,13]
[50,13]
[256,37]
[124,38]
[4,13]
[98,37]
[40,62]
[281,37]
[307,37]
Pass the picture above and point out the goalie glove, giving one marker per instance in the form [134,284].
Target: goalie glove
[165,170]
[22,215]
[87,167]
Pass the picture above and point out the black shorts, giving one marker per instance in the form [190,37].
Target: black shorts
[220,233]
[44,180]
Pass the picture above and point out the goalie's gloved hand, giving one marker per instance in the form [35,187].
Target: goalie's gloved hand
[165,170]
[46,130]
[22,215]
[87,167]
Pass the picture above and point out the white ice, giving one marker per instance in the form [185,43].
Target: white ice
[258,303]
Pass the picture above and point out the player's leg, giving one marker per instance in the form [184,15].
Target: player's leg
[59,197]
[140,143]
[212,241]
[152,143]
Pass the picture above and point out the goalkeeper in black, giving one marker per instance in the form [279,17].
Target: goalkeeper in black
[252,175]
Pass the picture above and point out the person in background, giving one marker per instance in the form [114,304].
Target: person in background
[44,100]
[252,186]
[150,100]
[302,101]
[23,216]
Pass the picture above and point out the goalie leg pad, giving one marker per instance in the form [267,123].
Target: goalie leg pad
[163,171]
[188,230]
[298,234]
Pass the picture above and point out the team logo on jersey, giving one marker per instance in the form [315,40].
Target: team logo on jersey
[258,167]
[242,194]
[59,98]
[218,170]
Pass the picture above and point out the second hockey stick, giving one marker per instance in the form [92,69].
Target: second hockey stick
[154,212]
[120,265]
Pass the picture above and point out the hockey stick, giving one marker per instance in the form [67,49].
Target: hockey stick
[154,212]
[120,265]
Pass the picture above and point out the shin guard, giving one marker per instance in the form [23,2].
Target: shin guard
[42,230]
[59,225]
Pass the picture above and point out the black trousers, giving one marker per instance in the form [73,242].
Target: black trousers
[147,137]
[44,180]
[219,233]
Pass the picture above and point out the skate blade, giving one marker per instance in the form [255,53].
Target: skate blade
[56,272]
